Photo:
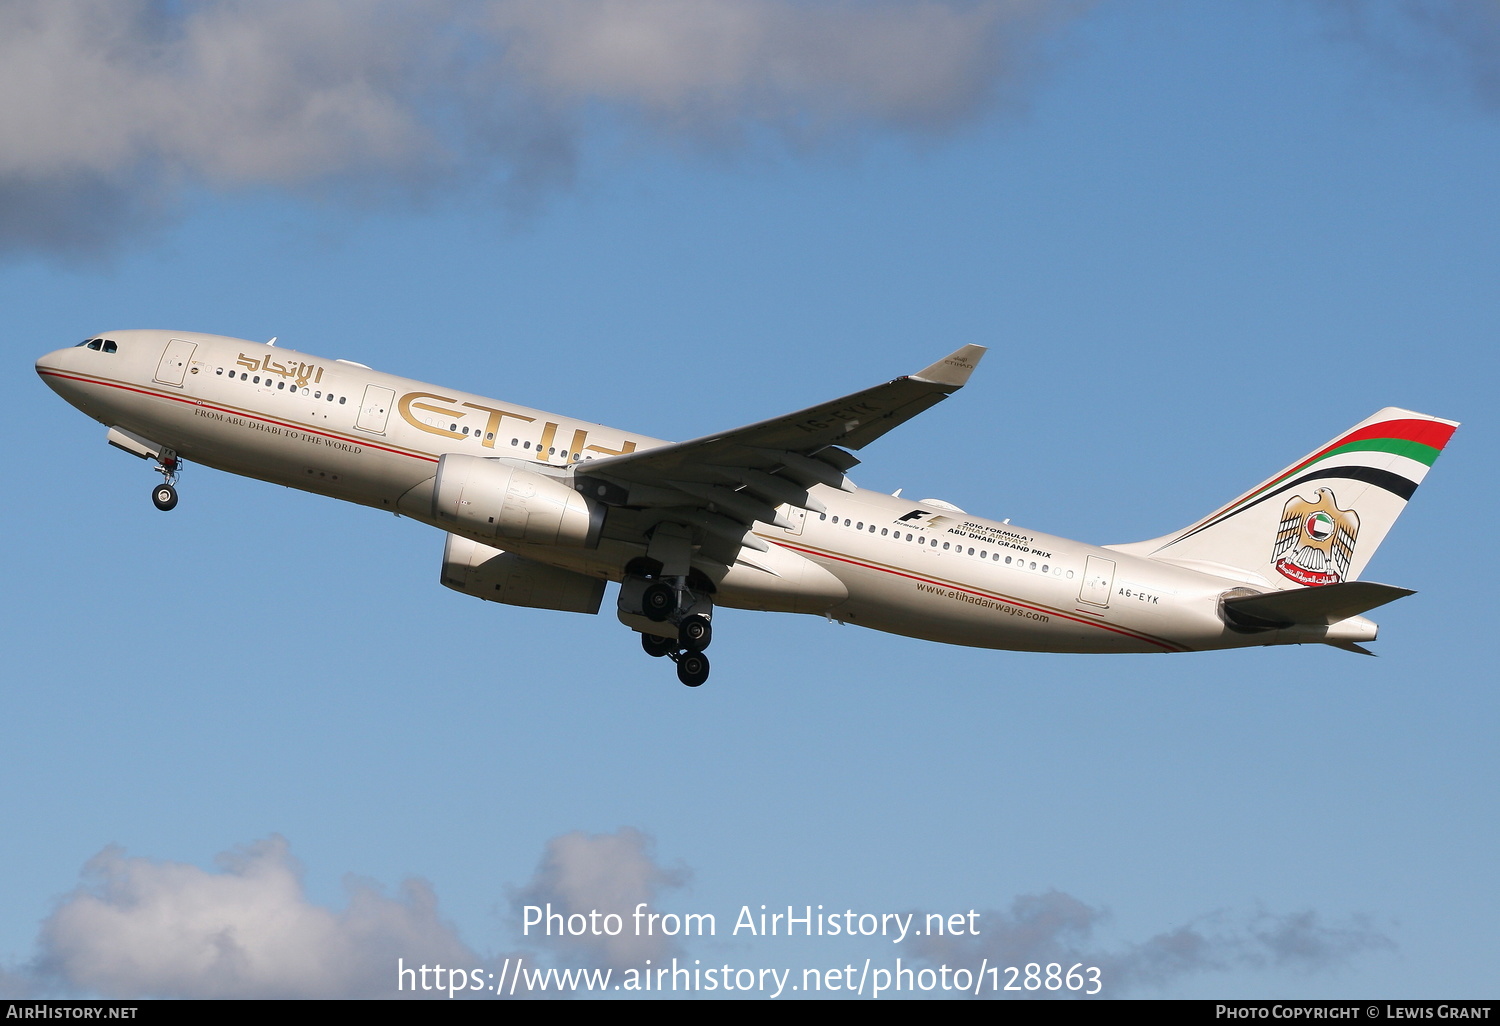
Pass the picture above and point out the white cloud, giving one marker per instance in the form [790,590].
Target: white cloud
[141,928]
[1057,927]
[608,873]
[112,110]
[1451,43]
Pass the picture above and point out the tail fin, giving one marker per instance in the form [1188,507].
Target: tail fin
[1320,520]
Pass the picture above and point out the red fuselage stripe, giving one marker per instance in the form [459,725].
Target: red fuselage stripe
[236,412]
[1167,645]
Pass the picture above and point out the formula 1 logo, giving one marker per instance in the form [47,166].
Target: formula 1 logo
[1315,541]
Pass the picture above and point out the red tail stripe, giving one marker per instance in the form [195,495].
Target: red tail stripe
[1423,432]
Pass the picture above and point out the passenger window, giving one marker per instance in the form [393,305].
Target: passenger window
[884,531]
[341,400]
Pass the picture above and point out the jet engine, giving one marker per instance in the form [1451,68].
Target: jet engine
[496,499]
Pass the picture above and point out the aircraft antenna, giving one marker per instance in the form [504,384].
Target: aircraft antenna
[273,340]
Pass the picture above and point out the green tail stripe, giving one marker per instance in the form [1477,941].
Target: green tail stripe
[1424,454]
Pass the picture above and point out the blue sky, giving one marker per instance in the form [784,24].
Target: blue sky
[1199,240]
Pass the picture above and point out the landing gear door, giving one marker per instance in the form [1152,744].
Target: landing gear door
[174,362]
[375,409]
[1098,581]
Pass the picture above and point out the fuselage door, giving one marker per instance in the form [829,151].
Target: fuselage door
[796,514]
[174,362]
[1098,581]
[375,410]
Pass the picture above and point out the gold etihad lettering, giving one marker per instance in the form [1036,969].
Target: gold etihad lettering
[492,425]
[409,400]
[304,373]
[621,451]
[490,433]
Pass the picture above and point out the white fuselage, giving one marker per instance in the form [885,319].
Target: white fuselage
[915,568]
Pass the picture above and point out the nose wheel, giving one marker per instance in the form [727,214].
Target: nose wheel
[164,495]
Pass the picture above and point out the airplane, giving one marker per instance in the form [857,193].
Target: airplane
[542,510]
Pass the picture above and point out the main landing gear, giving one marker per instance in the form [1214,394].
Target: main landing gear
[164,495]
[671,606]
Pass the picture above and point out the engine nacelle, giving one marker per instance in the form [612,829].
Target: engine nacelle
[495,576]
[496,499]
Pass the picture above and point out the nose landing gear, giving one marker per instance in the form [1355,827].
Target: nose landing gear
[164,495]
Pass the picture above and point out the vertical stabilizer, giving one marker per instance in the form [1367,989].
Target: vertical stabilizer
[1320,520]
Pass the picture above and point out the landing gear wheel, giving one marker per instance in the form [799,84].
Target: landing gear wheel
[692,668]
[696,632]
[658,601]
[657,647]
[164,496]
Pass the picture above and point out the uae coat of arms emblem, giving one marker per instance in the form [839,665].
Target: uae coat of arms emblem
[1315,541]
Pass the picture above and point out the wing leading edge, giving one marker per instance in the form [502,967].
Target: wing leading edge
[723,483]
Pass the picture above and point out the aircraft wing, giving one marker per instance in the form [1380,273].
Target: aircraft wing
[723,483]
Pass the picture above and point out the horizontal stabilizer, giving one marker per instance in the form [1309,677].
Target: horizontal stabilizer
[1311,606]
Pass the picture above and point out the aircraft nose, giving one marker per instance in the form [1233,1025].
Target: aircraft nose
[49,364]
[53,369]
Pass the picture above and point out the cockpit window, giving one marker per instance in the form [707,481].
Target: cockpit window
[109,345]
[95,343]
[98,345]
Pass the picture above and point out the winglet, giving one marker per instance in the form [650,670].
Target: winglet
[954,369]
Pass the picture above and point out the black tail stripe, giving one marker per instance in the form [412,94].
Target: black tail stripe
[1393,483]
